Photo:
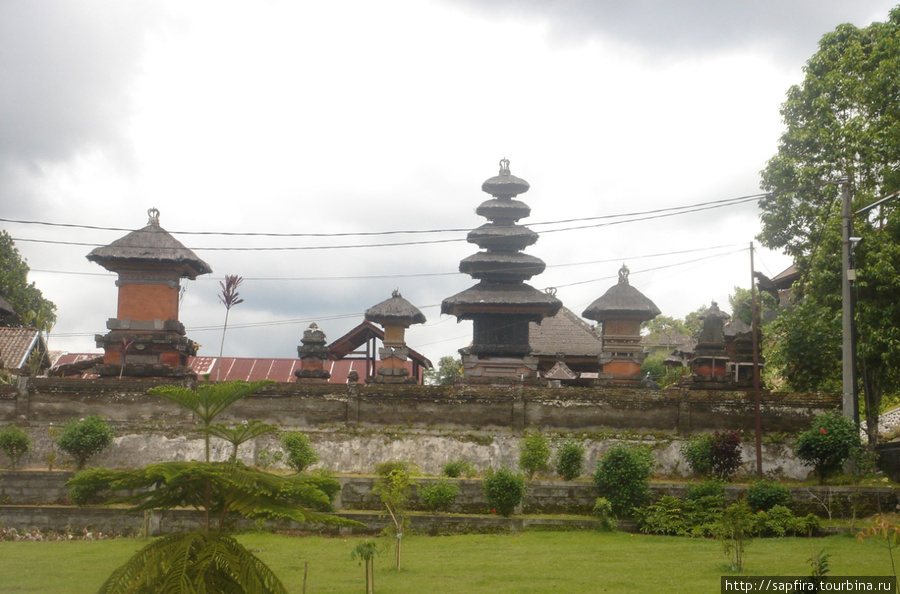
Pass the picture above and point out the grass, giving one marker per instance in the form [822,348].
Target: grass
[518,562]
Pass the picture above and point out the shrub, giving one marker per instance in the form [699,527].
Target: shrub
[503,490]
[735,529]
[832,440]
[459,468]
[15,443]
[384,469]
[85,438]
[534,453]
[603,512]
[717,454]
[764,495]
[439,495]
[623,477]
[708,488]
[299,450]
[780,521]
[569,460]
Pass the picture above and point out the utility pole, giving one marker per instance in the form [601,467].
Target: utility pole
[848,352]
[754,329]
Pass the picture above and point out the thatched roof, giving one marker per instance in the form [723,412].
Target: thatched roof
[152,246]
[395,310]
[487,295]
[564,333]
[622,300]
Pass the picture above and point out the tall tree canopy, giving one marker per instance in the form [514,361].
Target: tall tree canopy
[842,121]
[32,309]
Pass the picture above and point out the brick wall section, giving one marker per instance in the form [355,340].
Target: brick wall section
[125,402]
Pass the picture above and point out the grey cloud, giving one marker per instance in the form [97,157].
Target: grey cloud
[791,28]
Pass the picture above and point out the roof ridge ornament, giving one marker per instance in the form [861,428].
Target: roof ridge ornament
[623,274]
[504,166]
[153,213]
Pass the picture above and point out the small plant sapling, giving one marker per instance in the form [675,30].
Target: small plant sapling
[15,443]
[394,488]
[503,491]
[365,552]
[298,449]
[85,438]
[534,453]
[735,529]
[569,460]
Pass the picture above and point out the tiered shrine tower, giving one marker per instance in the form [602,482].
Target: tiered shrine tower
[501,305]
[146,338]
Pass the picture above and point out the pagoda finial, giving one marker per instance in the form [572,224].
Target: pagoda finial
[153,213]
[504,166]
[396,293]
[623,275]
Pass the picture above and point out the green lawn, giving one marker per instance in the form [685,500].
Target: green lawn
[521,562]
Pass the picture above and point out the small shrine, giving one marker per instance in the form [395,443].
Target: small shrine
[312,352]
[395,315]
[711,359]
[620,311]
[146,339]
[501,305]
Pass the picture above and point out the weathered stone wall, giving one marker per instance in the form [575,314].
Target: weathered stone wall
[356,427]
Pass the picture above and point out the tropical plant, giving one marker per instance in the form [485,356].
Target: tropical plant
[365,552]
[15,443]
[447,373]
[503,490]
[85,438]
[299,450]
[240,433]
[841,122]
[714,454]
[714,487]
[193,562]
[534,453]
[569,460]
[439,495]
[394,488]
[735,529]
[208,401]
[229,298]
[832,440]
[31,308]
[884,529]
[459,468]
[623,477]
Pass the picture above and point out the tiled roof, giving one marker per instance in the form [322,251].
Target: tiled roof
[564,333]
[16,344]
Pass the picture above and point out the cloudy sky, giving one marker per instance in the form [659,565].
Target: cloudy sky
[347,120]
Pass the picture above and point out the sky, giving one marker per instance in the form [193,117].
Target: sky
[355,120]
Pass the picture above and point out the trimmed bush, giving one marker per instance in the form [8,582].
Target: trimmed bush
[764,495]
[714,454]
[503,490]
[603,512]
[298,448]
[623,477]
[832,440]
[534,453]
[459,468]
[439,495]
[569,460]
[15,443]
[85,438]
[708,488]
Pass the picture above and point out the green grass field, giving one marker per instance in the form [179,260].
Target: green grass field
[519,562]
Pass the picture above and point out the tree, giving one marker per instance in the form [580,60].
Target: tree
[842,121]
[208,561]
[449,369]
[394,488]
[229,298]
[31,308]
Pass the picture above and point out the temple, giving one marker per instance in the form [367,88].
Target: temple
[146,339]
[501,305]
[395,315]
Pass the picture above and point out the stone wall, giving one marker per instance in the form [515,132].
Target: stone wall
[356,427]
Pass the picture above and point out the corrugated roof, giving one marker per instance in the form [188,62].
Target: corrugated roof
[16,345]
[565,333]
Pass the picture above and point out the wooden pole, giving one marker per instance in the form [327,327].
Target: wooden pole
[754,329]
